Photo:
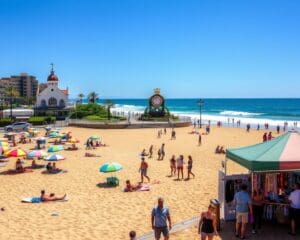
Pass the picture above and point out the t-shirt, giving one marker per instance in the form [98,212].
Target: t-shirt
[295,199]
[160,216]
[179,162]
[242,199]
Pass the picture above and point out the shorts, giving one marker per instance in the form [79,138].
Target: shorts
[144,172]
[161,230]
[204,235]
[179,167]
[294,213]
[242,217]
[189,168]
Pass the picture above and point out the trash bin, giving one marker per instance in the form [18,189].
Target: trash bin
[216,205]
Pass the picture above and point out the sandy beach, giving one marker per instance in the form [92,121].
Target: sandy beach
[94,212]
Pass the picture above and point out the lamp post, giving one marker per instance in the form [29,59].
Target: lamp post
[200,103]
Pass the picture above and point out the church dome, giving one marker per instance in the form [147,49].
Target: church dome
[52,77]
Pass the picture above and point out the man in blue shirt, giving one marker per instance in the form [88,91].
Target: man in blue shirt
[159,217]
[243,205]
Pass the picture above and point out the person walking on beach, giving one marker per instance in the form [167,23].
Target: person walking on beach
[248,127]
[143,170]
[173,134]
[151,151]
[162,151]
[173,165]
[243,204]
[159,217]
[294,199]
[208,224]
[189,167]
[199,139]
[278,129]
[180,166]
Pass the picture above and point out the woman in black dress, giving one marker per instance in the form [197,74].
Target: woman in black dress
[207,225]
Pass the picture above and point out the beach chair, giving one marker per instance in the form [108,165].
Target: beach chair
[114,181]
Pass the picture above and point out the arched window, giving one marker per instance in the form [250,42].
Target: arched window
[43,103]
[62,103]
[52,102]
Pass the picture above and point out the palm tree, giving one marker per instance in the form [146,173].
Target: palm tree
[108,104]
[80,96]
[11,93]
[93,97]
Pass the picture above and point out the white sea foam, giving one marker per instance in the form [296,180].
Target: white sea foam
[237,113]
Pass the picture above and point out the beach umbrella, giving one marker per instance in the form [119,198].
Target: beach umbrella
[4,144]
[40,139]
[4,148]
[110,167]
[10,134]
[15,153]
[37,153]
[53,135]
[55,148]
[54,157]
[73,140]
[94,137]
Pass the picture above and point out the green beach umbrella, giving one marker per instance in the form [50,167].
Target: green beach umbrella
[94,137]
[110,167]
[55,148]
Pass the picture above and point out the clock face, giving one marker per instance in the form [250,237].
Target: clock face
[156,101]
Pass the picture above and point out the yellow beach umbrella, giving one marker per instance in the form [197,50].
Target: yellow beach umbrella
[15,153]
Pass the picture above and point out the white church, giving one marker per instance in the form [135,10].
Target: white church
[51,100]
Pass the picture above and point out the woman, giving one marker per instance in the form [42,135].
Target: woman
[258,208]
[51,197]
[151,151]
[130,188]
[173,165]
[19,166]
[207,225]
[189,167]
[180,166]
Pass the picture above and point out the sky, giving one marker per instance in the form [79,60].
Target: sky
[126,48]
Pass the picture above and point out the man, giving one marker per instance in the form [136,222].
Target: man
[243,203]
[143,170]
[199,139]
[162,151]
[294,199]
[159,217]
[132,235]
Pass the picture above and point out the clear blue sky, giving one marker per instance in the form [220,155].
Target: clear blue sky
[125,48]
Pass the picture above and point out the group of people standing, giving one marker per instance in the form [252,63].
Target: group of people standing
[177,164]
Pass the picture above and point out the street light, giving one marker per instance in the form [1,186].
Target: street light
[200,103]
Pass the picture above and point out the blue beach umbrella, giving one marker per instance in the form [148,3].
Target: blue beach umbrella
[110,167]
[55,148]
[54,157]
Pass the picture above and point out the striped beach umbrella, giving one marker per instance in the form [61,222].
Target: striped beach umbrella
[55,148]
[94,137]
[37,153]
[54,157]
[279,154]
[15,153]
[25,134]
[110,167]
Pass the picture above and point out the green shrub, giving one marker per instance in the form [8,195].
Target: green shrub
[5,121]
[83,110]
[37,120]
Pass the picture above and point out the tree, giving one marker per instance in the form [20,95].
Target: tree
[11,93]
[80,96]
[93,97]
[108,104]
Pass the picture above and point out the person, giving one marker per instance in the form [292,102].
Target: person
[265,137]
[88,146]
[278,129]
[208,224]
[49,167]
[143,153]
[165,131]
[51,197]
[173,165]
[158,134]
[258,209]
[217,149]
[130,188]
[294,199]
[132,235]
[221,150]
[162,151]
[189,167]
[19,166]
[158,154]
[180,166]
[270,136]
[159,217]
[243,204]
[173,134]
[207,129]
[151,151]
[143,170]
[258,127]
[199,139]
[248,127]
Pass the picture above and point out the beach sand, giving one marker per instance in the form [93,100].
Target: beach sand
[94,212]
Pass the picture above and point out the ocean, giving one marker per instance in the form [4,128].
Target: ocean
[253,111]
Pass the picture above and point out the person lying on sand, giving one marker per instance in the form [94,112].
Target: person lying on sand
[51,197]
[131,188]
[143,153]
[52,168]
[72,147]
[91,155]
[100,144]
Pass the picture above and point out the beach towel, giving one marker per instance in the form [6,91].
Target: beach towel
[36,167]
[57,172]
[144,188]
[38,200]
[14,172]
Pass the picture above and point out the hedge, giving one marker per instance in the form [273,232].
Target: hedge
[5,121]
[41,120]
